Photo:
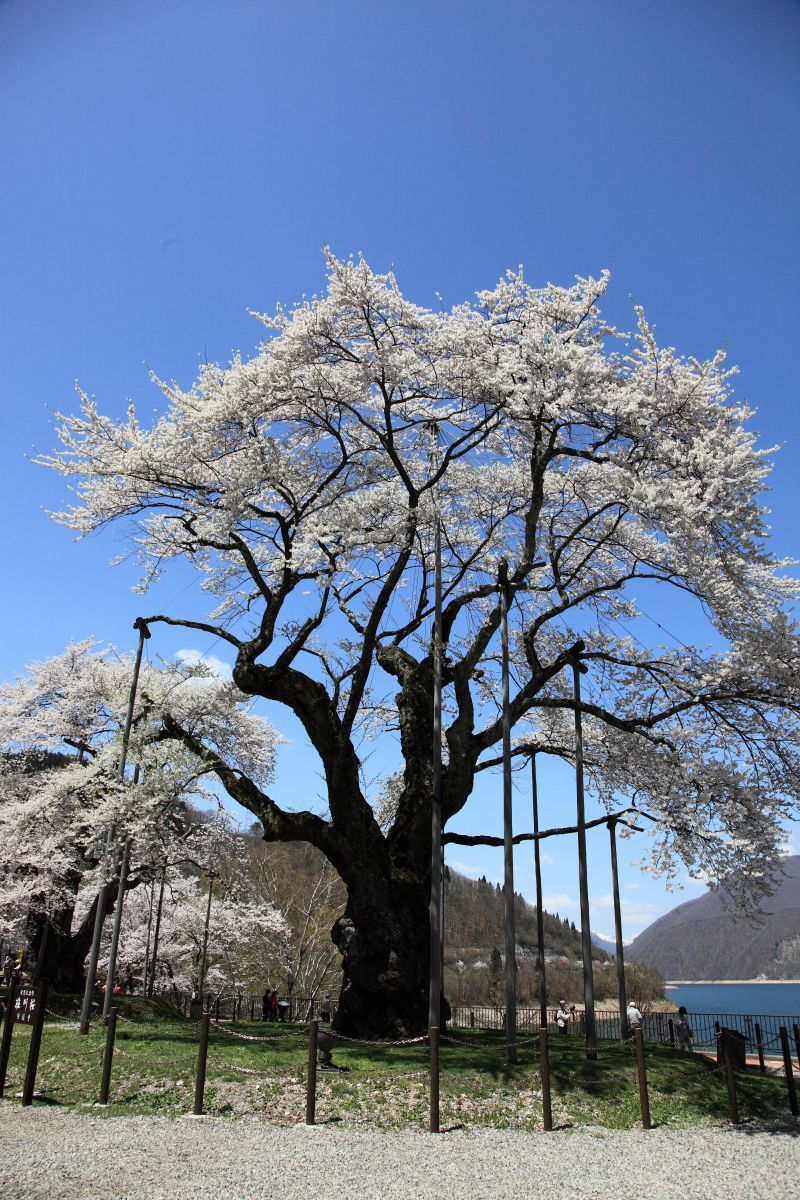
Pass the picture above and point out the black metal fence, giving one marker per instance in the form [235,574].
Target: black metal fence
[658,1026]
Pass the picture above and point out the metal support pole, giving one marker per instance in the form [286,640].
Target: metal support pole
[435,978]
[641,1069]
[311,1082]
[108,1056]
[537,867]
[35,1045]
[8,1029]
[508,833]
[205,941]
[544,1061]
[788,1070]
[583,881]
[730,1080]
[202,1057]
[433,1036]
[100,912]
[620,952]
[760,1048]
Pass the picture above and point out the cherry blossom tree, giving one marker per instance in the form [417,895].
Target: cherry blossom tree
[59,793]
[242,935]
[304,486]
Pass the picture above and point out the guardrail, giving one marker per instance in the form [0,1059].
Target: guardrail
[658,1026]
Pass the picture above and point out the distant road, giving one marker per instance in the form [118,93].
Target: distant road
[681,982]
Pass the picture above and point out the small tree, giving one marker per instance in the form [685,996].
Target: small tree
[60,726]
[644,986]
[494,977]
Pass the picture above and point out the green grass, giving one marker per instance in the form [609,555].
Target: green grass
[384,1087]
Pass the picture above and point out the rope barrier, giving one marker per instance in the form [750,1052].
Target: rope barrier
[253,1037]
[340,1037]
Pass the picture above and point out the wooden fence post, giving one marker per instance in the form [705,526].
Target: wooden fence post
[8,1029]
[202,1056]
[760,1048]
[730,1079]
[433,1037]
[108,1057]
[311,1082]
[35,1046]
[644,1099]
[788,1070]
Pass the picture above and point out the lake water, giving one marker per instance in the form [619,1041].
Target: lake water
[779,999]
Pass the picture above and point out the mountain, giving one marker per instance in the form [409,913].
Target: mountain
[708,939]
[474,914]
[604,943]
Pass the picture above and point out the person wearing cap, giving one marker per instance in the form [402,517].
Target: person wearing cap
[563,1018]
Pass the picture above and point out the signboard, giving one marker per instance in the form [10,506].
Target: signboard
[26,1003]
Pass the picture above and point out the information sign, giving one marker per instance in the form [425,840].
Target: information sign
[26,1003]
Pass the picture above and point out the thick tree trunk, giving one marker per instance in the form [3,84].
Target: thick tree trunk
[63,952]
[385,945]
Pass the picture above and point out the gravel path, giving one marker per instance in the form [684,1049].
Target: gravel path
[46,1154]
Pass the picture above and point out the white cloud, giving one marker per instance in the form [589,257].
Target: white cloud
[636,914]
[192,657]
[547,860]
[558,901]
[464,868]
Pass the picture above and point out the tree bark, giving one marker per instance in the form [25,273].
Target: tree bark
[63,951]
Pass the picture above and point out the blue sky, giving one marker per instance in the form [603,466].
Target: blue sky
[169,164]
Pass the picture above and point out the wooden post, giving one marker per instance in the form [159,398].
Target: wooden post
[508,835]
[671,1028]
[760,1048]
[544,1060]
[644,1099]
[108,1057]
[433,1036]
[730,1080]
[622,994]
[437,883]
[796,1032]
[35,1046]
[8,1029]
[788,1070]
[311,1083]
[202,1056]
[472,1018]
[537,867]
[583,878]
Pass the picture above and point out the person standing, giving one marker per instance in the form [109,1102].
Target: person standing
[325,1009]
[683,1030]
[634,1016]
[563,1016]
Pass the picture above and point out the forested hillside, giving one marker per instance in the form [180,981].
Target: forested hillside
[473,920]
[708,938]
